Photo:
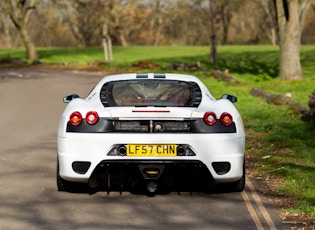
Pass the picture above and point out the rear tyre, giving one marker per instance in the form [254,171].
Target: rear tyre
[238,186]
[61,184]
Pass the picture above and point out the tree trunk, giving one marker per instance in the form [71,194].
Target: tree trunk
[311,104]
[158,21]
[20,12]
[107,44]
[272,35]
[270,23]
[122,37]
[291,14]
[225,15]
[213,39]
[28,44]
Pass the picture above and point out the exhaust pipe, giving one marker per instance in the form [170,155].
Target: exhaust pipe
[181,151]
[122,150]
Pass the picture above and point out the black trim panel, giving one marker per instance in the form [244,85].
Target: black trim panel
[131,174]
[140,75]
[143,126]
[157,75]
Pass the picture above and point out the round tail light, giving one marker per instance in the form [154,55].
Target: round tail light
[226,119]
[210,118]
[75,118]
[91,117]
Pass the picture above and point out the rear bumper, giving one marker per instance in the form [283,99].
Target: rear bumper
[213,151]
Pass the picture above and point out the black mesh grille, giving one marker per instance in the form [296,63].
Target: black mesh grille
[151,126]
[195,95]
[104,95]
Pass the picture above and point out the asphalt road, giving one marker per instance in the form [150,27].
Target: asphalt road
[30,106]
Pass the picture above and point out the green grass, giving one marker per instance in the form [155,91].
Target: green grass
[280,143]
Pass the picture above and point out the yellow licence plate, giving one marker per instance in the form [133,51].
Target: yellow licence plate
[151,150]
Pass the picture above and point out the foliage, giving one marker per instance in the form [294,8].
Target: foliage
[280,143]
[143,22]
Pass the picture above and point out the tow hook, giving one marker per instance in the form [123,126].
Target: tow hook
[152,187]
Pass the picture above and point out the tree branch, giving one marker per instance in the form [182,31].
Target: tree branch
[11,9]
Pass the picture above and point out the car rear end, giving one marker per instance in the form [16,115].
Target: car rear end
[119,139]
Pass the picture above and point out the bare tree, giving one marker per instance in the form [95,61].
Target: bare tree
[213,43]
[116,12]
[308,34]
[144,22]
[188,22]
[5,40]
[107,44]
[290,17]
[20,12]
[125,20]
[85,19]
[157,22]
[269,22]
[225,11]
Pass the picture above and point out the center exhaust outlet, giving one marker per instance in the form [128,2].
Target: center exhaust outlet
[122,150]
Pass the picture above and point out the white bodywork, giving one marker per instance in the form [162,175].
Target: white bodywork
[94,147]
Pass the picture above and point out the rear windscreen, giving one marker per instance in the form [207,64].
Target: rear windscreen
[149,92]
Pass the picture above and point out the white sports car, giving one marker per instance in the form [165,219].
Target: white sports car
[150,131]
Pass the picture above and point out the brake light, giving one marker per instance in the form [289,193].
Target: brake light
[226,119]
[75,118]
[91,117]
[210,118]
